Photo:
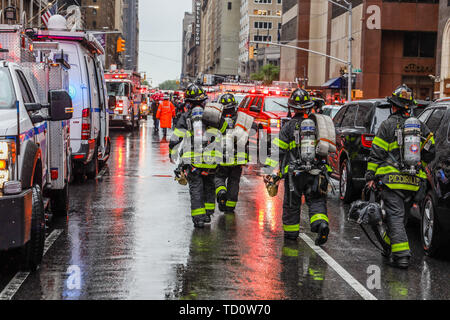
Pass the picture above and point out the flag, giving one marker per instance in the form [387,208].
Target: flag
[48,14]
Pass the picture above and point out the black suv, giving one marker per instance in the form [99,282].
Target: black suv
[356,124]
[435,217]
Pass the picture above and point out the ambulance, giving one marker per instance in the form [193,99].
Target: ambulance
[35,154]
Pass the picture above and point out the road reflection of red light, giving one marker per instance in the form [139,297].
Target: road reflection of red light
[119,192]
[142,147]
[260,252]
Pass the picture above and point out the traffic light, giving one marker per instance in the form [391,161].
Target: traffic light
[120,45]
[251,54]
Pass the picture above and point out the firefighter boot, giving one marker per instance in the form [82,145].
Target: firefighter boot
[322,234]
[199,221]
[400,262]
[222,200]
[207,218]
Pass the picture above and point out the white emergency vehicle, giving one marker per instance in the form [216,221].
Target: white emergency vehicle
[35,113]
[89,127]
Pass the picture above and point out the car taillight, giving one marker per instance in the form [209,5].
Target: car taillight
[367,140]
[86,125]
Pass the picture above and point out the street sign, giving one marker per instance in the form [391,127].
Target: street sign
[357,70]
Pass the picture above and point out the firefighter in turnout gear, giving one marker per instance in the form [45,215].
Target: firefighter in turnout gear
[201,130]
[400,152]
[305,172]
[236,155]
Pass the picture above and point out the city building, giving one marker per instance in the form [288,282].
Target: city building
[188,28]
[442,88]
[105,17]
[131,34]
[27,10]
[260,20]
[388,48]
[219,37]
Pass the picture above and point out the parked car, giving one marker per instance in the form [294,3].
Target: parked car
[268,111]
[435,210]
[356,125]
[331,110]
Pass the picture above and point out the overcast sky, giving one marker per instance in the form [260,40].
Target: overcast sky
[161,21]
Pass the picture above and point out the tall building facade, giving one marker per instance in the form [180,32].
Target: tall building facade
[388,48]
[131,33]
[187,33]
[219,37]
[260,20]
[106,16]
[27,9]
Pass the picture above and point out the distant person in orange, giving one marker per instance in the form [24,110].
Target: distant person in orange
[166,113]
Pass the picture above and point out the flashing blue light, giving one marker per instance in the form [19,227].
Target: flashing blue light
[72,92]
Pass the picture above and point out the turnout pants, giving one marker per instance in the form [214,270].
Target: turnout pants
[307,185]
[201,189]
[228,179]
[394,205]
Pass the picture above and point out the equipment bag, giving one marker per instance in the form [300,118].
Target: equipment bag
[242,128]
[326,134]
[212,114]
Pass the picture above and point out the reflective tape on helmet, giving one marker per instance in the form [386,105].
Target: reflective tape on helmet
[222,188]
[198,212]
[292,228]
[399,247]
[281,144]
[318,217]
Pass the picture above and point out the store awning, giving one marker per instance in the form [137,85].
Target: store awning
[335,83]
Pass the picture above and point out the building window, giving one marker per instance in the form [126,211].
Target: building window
[261,12]
[229,5]
[262,38]
[419,44]
[263,25]
[263,1]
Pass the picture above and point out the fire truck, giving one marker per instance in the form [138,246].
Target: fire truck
[145,102]
[124,98]
[35,154]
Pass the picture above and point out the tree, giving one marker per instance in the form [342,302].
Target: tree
[267,74]
[169,85]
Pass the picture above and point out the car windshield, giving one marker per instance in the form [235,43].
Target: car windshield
[7,96]
[239,99]
[276,104]
[116,89]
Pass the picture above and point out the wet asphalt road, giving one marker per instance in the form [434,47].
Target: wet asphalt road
[129,236]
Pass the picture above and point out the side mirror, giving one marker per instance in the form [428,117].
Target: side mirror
[60,105]
[36,119]
[111,102]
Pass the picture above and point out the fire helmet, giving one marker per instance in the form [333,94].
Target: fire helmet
[195,94]
[402,97]
[300,100]
[228,101]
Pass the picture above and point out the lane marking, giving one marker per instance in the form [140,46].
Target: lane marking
[14,285]
[358,287]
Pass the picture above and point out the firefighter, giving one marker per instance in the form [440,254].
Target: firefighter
[401,150]
[229,173]
[304,172]
[200,152]
[165,114]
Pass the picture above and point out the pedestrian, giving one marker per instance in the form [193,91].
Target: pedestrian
[401,183]
[200,156]
[155,105]
[304,176]
[229,172]
[165,114]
